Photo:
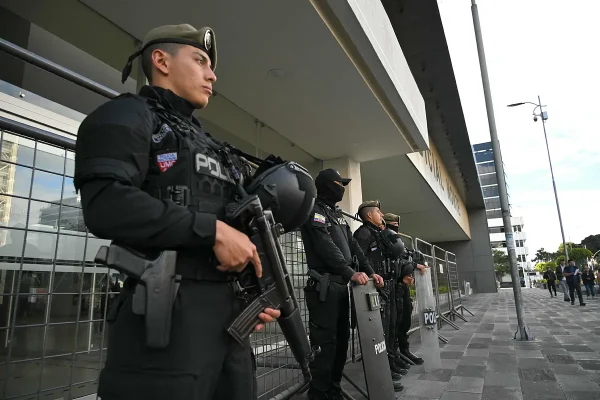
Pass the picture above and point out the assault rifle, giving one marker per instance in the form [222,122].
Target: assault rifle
[274,289]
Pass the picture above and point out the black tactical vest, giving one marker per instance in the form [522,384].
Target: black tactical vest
[375,251]
[185,167]
[337,227]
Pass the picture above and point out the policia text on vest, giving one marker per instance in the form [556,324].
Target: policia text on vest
[153,181]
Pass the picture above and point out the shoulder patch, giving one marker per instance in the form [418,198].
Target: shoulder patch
[166,160]
[160,135]
[319,218]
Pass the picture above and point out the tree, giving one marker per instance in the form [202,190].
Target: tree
[541,267]
[501,263]
[592,242]
[542,256]
[579,254]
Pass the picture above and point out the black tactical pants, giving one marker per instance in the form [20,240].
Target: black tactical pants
[388,317]
[403,318]
[329,329]
[201,362]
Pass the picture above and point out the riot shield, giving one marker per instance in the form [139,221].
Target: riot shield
[372,342]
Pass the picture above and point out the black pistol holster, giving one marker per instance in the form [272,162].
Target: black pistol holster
[156,290]
[322,285]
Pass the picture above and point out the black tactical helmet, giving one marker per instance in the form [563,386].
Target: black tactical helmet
[407,269]
[394,244]
[287,189]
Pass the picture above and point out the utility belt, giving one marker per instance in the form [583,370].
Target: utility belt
[201,267]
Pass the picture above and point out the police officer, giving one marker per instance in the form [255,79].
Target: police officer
[130,154]
[330,249]
[403,301]
[369,237]
[405,307]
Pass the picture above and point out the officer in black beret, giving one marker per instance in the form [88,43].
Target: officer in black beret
[369,237]
[330,249]
[150,179]
[392,221]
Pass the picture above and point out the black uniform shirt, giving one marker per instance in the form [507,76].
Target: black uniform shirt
[322,243]
[111,161]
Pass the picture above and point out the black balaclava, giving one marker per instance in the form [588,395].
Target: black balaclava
[392,227]
[329,191]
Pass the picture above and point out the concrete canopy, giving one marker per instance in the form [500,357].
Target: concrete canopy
[281,63]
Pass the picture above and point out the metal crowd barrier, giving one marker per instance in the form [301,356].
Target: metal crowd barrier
[278,375]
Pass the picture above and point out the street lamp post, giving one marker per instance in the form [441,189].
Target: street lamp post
[523,332]
[544,117]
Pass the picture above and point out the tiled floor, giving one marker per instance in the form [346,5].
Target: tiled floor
[483,362]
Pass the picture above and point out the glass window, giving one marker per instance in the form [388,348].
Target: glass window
[490,191]
[70,198]
[15,179]
[70,247]
[494,213]
[40,245]
[71,221]
[70,164]
[47,186]
[492,203]
[486,168]
[486,155]
[17,149]
[50,158]
[489,179]
[497,229]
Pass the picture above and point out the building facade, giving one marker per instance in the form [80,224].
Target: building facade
[486,168]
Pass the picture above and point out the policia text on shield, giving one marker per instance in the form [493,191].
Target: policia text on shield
[151,180]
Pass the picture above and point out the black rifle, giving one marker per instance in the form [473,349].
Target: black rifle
[156,290]
[274,289]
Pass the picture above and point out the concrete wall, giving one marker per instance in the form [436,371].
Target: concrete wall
[474,257]
[16,30]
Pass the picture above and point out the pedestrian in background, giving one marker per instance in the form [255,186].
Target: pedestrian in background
[588,282]
[550,278]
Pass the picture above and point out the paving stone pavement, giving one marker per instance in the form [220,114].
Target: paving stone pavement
[482,361]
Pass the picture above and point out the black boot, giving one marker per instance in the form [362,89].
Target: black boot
[396,377]
[398,360]
[398,387]
[412,357]
[395,369]
[401,363]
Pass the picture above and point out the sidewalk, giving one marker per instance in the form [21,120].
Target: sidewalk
[483,362]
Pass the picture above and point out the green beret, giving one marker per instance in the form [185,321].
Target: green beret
[370,203]
[203,38]
[389,217]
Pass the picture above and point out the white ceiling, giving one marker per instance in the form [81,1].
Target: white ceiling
[322,104]
[409,195]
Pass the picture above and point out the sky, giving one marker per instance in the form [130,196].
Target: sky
[545,48]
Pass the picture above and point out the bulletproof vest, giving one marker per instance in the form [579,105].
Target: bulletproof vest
[375,251]
[338,230]
[185,166]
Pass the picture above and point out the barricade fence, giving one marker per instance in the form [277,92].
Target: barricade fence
[54,298]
